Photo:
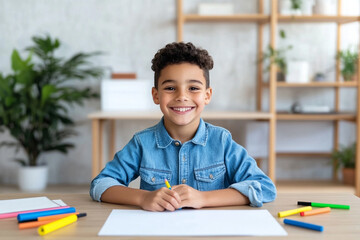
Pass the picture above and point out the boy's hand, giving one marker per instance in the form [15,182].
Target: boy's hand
[189,196]
[160,200]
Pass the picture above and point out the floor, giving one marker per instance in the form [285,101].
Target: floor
[282,186]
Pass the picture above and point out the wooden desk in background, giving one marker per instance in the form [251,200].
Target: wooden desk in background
[338,224]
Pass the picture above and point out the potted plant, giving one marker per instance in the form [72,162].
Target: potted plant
[345,157]
[34,103]
[277,57]
[348,60]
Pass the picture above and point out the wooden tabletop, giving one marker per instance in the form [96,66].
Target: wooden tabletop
[338,224]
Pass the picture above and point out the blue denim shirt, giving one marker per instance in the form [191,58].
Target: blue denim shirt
[211,160]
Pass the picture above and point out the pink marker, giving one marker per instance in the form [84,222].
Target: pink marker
[14,214]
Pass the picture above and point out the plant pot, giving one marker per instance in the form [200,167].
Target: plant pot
[307,7]
[325,7]
[32,179]
[350,78]
[348,176]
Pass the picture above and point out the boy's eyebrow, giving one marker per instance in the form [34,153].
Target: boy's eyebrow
[191,81]
[167,81]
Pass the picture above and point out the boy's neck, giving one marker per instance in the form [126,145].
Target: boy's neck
[182,133]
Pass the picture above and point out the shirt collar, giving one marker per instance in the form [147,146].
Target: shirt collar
[163,138]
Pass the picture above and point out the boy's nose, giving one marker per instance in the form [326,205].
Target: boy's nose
[181,96]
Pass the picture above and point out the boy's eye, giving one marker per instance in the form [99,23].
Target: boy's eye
[194,88]
[169,88]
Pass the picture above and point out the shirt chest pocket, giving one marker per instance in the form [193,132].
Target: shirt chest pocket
[210,178]
[152,179]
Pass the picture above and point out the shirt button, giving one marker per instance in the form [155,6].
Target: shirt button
[184,159]
[177,144]
[153,179]
[183,181]
[211,176]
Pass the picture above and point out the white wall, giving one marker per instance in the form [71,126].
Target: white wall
[131,31]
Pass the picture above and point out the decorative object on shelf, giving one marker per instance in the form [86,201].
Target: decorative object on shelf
[345,158]
[277,57]
[310,109]
[216,9]
[325,7]
[319,77]
[296,108]
[35,99]
[115,75]
[298,72]
[348,60]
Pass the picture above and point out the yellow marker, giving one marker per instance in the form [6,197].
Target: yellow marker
[294,211]
[167,184]
[48,228]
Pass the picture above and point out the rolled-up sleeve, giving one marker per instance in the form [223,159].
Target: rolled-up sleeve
[120,171]
[245,176]
[99,186]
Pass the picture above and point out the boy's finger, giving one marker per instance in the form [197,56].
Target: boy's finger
[175,195]
[166,205]
[173,198]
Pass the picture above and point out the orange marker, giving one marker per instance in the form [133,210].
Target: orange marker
[43,220]
[55,217]
[316,211]
[33,224]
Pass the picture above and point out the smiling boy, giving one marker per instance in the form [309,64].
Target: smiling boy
[205,167]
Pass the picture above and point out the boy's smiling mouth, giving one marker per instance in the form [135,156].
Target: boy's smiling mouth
[181,109]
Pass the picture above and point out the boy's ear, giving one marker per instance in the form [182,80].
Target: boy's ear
[208,95]
[155,95]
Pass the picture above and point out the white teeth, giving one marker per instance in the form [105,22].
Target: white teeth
[182,109]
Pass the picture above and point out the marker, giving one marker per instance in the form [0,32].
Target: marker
[169,187]
[50,227]
[316,211]
[167,184]
[304,225]
[15,214]
[33,224]
[294,211]
[43,221]
[315,204]
[55,217]
[26,217]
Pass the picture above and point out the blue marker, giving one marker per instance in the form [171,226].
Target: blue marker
[25,217]
[304,225]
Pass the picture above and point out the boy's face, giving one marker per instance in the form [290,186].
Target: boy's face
[182,94]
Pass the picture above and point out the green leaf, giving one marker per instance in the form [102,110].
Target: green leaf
[9,101]
[16,62]
[46,92]
[282,34]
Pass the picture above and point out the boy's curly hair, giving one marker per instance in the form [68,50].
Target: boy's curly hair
[180,52]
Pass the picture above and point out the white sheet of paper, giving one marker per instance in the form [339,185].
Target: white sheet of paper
[188,222]
[25,204]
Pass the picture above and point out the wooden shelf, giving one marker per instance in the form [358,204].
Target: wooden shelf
[274,19]
[318,19]
[156,115]
[227,18]
[318,84]
[316,116]
[303,154]
[266,18]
